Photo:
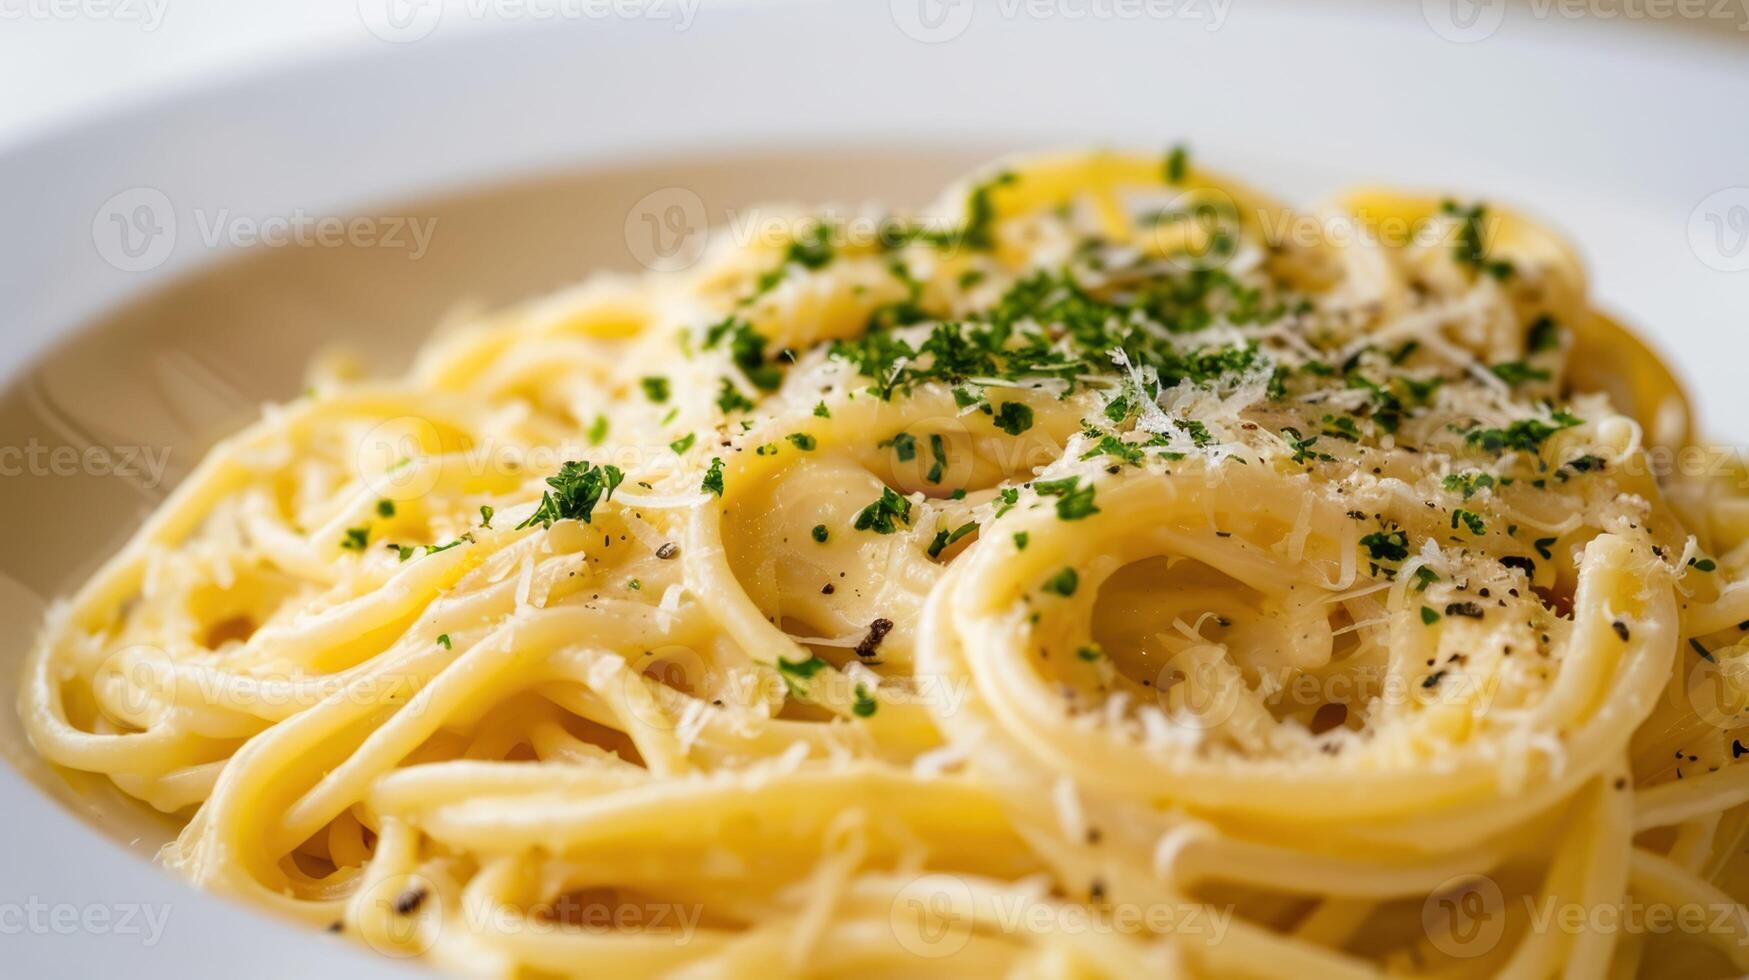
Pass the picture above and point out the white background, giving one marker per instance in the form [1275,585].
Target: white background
[56,67]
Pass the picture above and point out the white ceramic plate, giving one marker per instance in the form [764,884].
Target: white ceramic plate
[1629,136]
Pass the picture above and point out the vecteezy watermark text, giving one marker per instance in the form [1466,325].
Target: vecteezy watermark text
[1466,917]
[300,227]
[938,21]
[149,14]
[1468,21]
[144,465]
[404,21]
[137,229]
[35,917]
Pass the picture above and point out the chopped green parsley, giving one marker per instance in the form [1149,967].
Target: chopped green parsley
[884,515]
[1063,583]
[575,491]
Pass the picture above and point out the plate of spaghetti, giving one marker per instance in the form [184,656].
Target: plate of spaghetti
[1104,568]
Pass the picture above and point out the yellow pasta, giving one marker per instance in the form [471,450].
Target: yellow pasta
[1108,571]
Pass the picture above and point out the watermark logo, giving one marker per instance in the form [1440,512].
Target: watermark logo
[1464,21]
[934,453]
[393,458]
[1716,691]
[932,21]
[1718,230]
[665,231]
[403,915]
[1196,230]
[400,21]
[678,668]
[135,230]
[1195,689]
[134,678]
[1465,916]
[932,916]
